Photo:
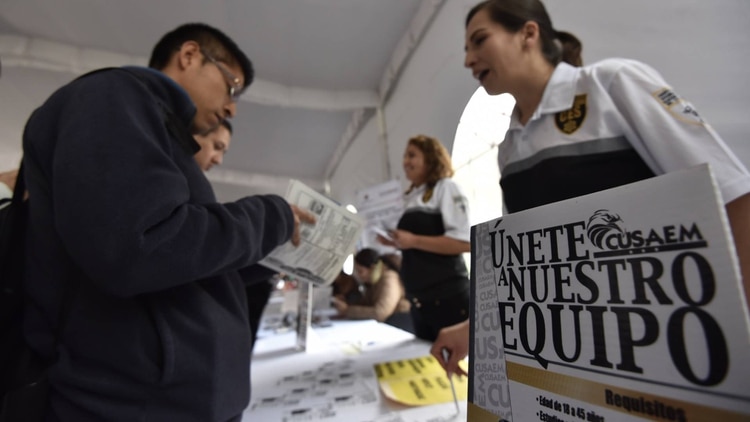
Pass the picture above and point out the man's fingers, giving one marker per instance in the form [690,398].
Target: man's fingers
[436,352]
[300,216]
[295,233]
[307,217]
[303,215]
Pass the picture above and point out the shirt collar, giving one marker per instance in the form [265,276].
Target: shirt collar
[558,95]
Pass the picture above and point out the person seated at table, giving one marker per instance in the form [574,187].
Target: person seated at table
[384,298]
[346,288]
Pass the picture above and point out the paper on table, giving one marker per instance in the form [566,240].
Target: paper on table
[419,381]
[382,232]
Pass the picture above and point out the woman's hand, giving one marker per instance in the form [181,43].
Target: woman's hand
[454,339]
[386,241]
[403,239]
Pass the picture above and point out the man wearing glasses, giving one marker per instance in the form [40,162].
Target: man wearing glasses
[134,272]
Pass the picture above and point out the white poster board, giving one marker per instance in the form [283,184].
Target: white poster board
[621,305]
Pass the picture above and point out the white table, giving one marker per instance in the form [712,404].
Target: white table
[334,380]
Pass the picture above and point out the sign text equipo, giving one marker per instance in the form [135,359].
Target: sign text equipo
[540,278]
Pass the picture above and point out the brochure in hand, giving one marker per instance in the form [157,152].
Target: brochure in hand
[324,245]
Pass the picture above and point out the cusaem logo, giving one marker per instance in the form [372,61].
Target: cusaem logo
[606,231]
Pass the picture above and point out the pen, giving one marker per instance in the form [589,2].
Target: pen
[446,356]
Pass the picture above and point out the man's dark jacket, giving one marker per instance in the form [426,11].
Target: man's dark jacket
[124,220]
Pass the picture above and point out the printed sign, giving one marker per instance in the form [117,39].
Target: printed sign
[621,305]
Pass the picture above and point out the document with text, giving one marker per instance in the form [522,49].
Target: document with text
[324,245]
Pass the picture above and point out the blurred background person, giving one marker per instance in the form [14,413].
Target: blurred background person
[432,234]
[258,287]
[383,294]
[346,289]
[213,145]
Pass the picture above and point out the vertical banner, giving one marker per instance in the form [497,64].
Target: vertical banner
[489,395]
[625,304]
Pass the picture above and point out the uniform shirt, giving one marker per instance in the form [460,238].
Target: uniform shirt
[444,212]
[605,125]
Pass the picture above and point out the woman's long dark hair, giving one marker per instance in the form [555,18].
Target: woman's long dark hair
[368,257]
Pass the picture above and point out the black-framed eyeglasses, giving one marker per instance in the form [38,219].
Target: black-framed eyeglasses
[235,87]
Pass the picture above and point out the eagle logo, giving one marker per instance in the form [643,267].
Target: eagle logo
[601,223]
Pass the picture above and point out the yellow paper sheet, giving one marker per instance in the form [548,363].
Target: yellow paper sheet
[419,381]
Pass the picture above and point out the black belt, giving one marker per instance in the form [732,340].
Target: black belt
[434,295]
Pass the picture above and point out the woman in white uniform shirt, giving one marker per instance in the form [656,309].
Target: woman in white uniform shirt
[576,131]
[432,234]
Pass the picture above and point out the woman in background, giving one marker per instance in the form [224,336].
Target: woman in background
[579,130]
[432,234]
[384,299]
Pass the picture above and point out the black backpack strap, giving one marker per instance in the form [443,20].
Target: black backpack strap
[19,193]
[20,188]
[13,226]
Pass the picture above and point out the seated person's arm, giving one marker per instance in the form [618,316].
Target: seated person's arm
[384,304]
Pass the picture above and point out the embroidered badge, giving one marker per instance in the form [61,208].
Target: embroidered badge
[459,202]
[677,106]
[569,121]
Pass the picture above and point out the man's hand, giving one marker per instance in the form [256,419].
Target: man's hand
[300,216]
[454,339]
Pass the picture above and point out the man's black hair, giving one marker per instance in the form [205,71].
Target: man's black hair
[209,38]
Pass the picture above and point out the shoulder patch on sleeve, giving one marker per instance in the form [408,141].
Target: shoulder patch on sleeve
[460,202]
[677,106]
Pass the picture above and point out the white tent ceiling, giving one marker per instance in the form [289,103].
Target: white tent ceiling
[323,66]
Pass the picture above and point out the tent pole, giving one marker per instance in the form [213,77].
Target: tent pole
[383,133]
